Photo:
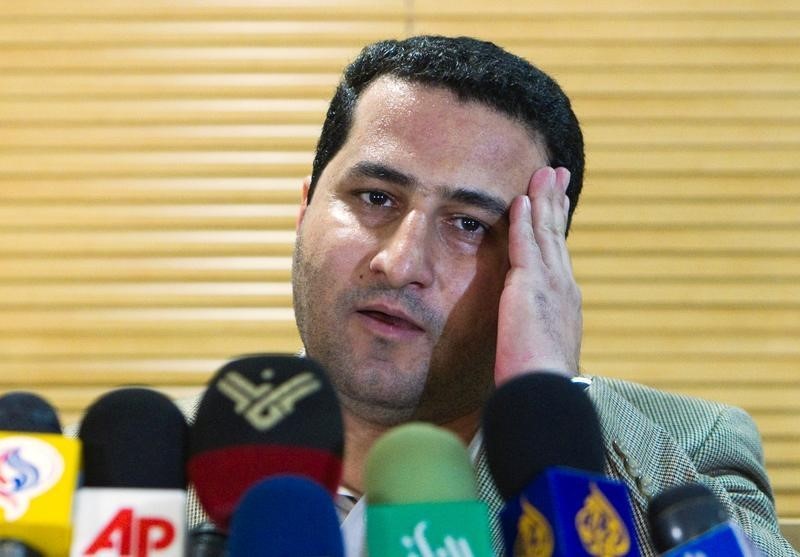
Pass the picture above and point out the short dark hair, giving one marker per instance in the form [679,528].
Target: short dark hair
[473,70]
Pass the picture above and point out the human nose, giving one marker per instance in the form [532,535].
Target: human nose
[404,257]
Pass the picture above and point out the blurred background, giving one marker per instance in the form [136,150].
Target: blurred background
[151,155]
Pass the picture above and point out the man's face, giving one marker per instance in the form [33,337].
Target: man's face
[402,255]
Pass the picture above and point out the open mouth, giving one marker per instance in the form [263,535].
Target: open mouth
[390,320]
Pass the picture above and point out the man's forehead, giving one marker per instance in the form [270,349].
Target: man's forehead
[396,96]
[429,133]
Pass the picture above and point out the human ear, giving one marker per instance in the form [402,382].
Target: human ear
[303,201]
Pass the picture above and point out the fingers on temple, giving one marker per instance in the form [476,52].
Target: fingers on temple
[550,206]
[522,248]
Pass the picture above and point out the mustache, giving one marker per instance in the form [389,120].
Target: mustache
[428,317]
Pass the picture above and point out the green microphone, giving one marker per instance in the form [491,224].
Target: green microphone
[422,496]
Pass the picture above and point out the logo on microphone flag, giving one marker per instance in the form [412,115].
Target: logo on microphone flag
[28,468]
[601,529]
[38,477]
[129,522]
[445,529]
[265,405]
[566,512]
[535,537]
[418,544]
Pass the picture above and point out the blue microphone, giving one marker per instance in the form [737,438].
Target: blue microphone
[285,516]
[545,451]
[687,520]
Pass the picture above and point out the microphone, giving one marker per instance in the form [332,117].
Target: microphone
[22,411]
[286,516]
[133,500]
[38,475]
[545,451]
[261,416]
[422,496]
[687,520]
[206,541]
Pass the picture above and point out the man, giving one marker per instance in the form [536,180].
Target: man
[431,266]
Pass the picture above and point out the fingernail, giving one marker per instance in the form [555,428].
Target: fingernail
[567,178]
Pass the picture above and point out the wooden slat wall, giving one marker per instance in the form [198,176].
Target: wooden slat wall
[686,243]
[151,155]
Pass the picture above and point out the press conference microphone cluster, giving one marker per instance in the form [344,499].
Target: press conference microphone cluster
[38,476]
[688,520]
[265,457]
[545,452]
[265,454]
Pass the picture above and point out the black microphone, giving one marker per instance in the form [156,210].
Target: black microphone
[545,450]
[134,497]
[38,476]
[689,520]
[23,411]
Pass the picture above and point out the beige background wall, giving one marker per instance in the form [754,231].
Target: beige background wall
[151,154]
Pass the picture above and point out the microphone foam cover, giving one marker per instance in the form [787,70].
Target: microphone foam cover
[261,416]
[683,512]
[419,463]
[285,516]
[134,438]
[537,421]
[27,412]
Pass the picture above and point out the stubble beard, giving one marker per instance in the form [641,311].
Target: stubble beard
[377,391]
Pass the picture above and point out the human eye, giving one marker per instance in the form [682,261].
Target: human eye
[469,225]
[376,198]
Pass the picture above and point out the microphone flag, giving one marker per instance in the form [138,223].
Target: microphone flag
[38,476]
[571,513]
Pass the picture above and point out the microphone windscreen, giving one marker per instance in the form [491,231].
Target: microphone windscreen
[538,421]
[682,513]
[285,516]
[419,463]
[261,416]
[21,411]
[134,438]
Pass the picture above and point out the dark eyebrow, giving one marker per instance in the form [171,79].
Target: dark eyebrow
[480,199]
[379,171]
[469,196]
